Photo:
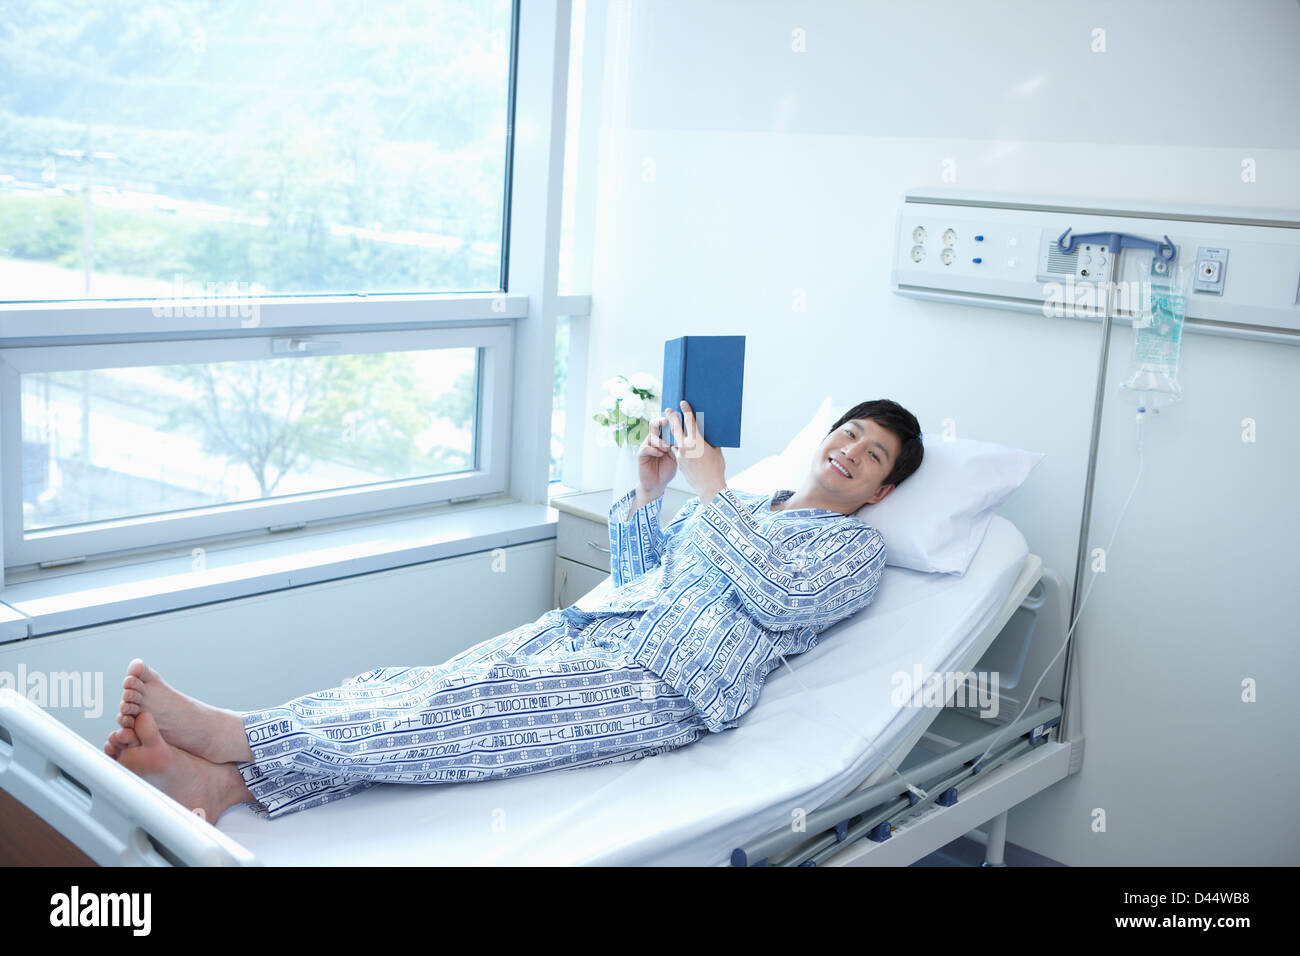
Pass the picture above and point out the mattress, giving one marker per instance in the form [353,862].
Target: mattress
[816,732]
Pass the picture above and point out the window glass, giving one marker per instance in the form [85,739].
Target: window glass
[192,147]
[126,442]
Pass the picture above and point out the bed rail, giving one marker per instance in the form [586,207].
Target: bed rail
[832,827]
[110,814]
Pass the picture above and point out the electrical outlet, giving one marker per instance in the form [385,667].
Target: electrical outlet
[1094,262]
[1211,269]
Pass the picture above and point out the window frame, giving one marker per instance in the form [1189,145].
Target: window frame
[68,542]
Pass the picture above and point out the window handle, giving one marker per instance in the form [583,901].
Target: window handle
[301,346]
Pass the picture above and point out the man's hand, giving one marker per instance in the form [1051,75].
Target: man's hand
[655,465]
[700,463]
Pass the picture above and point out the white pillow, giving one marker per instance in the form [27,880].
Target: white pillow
[936,518]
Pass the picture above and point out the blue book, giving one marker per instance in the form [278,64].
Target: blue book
[708,371]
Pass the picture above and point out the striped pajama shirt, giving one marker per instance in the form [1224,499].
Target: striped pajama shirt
[674,645]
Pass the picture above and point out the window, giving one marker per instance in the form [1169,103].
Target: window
[254,262]
[120,446]
[183,148]
[122,442]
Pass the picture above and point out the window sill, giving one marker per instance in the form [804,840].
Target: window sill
[49,604]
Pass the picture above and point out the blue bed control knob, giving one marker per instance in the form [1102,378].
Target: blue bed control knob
[977,259]
[880,832]
[979,238]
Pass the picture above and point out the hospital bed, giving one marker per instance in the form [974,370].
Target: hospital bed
[806,778]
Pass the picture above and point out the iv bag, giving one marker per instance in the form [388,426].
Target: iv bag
[1158,334]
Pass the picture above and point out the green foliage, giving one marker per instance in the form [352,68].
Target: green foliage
[627,429]
[156,246]
[283,415]
[298,118]
[457,404]
[48,229]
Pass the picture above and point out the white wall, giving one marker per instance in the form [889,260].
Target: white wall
[737,175]
[260,651]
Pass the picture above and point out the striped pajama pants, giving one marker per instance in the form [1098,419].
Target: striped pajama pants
[547,695]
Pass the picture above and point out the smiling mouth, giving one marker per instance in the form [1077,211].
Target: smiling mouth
[840,468]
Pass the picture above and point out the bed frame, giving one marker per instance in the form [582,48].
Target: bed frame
[963,784]
[65,802]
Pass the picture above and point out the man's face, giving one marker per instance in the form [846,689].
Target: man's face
[852,461]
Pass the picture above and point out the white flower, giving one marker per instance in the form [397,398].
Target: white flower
[635,408]
[624,391]
[646,382]
[619,390]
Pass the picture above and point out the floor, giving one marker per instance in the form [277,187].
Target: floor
[964,852]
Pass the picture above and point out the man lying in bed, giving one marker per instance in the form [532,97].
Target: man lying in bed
[675,645]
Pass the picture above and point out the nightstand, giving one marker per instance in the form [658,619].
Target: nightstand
[582,539]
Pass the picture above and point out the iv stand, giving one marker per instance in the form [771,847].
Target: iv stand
[1115,243]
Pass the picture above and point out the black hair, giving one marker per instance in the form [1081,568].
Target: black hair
[897,419]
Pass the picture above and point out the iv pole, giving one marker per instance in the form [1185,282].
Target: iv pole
[1113,244]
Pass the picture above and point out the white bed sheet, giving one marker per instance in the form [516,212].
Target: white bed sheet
[795,749]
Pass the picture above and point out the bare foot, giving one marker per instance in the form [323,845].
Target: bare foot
[117,742]
[206,788]
[214,734]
